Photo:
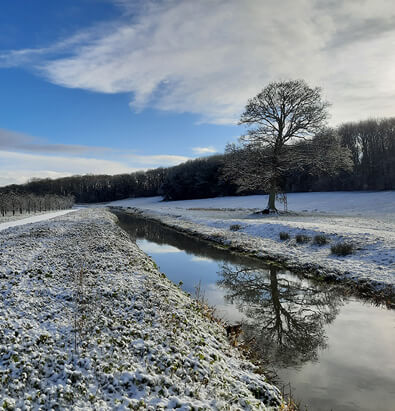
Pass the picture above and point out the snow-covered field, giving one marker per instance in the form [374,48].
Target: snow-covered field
[361,203]
[364,219]
[88,322]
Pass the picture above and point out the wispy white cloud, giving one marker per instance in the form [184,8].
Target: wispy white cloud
[19,167]
[204,150]
[210,56]
[21,175]
[23,157]
[156,160]
[11,140]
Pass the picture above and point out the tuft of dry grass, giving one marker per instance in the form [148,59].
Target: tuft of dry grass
[342,249]
[320,239]
[235,227]
[302,238]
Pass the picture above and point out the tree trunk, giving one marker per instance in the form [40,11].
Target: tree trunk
[271,203]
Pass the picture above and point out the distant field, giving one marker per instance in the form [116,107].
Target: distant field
[363,222]
[343,202]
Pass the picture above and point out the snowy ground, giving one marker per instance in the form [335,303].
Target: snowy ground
[365,219]
[88,322]
[9,217]
[17,220]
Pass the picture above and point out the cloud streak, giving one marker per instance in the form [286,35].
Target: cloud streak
[209,56]
[20,167]
[157,160]
[11,140]
[23,157]
[204,150]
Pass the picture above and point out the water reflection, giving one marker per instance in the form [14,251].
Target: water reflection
[154,232]
[336,352]
[286,315]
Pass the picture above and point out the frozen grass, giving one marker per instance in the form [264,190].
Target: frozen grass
[88,322]
[284,236]
[235,227]
[302,238]
[320,239]
[342,249]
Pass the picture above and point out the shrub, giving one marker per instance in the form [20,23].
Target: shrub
[342,249]
[302,238]
[321,239]
[235,227]
[284,236]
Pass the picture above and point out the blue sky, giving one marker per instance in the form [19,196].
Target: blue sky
[111,86]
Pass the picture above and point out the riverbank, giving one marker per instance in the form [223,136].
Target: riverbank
[88,321]
[310,333]
[369,270]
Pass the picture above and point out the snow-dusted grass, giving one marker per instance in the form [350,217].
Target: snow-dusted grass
[88,322]
[364,219]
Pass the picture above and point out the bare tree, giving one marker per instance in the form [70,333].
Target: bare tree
[323,154]
[282,114]
[285,315]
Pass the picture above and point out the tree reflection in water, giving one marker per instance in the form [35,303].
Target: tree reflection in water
[286,315]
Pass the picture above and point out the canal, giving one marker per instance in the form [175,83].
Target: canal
[331,351]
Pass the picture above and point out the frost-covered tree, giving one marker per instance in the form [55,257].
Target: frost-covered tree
[281,115]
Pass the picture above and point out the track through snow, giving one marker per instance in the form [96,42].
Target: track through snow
[22,220]
[88,322]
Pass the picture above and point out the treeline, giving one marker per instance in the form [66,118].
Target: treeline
[372,146]
[200,178]
[14,203]
[96,188]
[193,179]
[371,142]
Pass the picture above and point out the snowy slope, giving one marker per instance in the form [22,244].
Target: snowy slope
[88,322]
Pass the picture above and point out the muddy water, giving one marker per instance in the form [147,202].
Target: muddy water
[336,353]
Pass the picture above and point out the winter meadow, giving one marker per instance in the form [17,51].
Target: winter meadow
[197,205]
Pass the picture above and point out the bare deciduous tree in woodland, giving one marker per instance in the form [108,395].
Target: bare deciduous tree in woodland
[281,115]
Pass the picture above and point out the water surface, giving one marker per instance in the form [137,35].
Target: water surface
[336,352]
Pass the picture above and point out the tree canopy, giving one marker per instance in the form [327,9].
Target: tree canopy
[279,118]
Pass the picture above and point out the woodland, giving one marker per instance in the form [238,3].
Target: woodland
[371,143]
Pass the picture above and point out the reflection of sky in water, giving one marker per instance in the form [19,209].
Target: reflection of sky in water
[201,259]
[356,371]
[215,297]
[152,248]
[190,269]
